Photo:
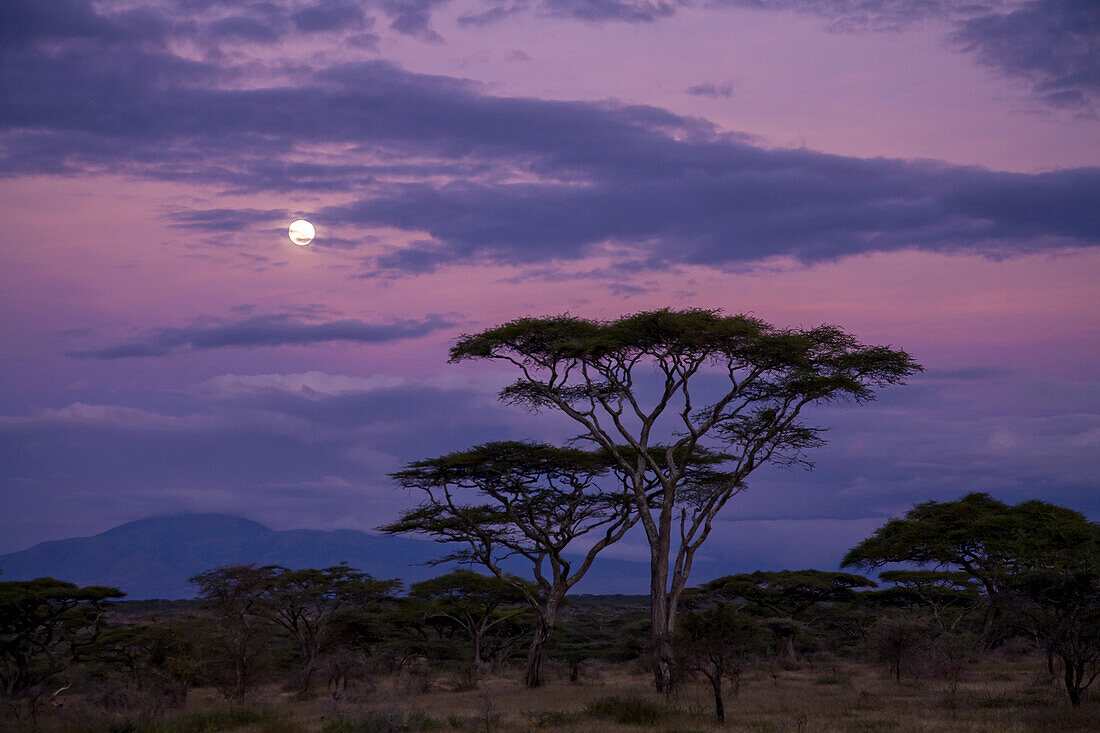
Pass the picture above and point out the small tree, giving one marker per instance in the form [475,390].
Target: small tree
[473,603]
[1057,597]
[977,535]
[717,642]
[896,638]
[44,624]
[522,500]
[950,596]
[1037,561]
[638,382]
[236,596]
[305,603]
[787,595]
[150,666]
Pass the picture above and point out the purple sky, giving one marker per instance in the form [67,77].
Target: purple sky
[925,173]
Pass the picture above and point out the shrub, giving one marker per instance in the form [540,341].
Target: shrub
[372,722]
[831,679]
[628,710]
[207,721]
[550,718]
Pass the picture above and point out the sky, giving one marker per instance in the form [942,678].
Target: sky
[923,173]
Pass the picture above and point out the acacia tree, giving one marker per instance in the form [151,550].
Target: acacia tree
[1035,561]
[306,602]
[1060,604]
[787,595]
[716,642]
[643,380]
[978,535]
[235,594]
[949,595]
[472,602]
[524,500]
[44,623]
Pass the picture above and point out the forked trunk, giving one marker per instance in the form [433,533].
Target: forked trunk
[1074,675]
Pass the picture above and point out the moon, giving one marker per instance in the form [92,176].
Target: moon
[302,232]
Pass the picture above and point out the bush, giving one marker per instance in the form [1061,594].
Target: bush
[207,721]
[628,710]
[372,722]
[550,719]
[383,722]
[831,679]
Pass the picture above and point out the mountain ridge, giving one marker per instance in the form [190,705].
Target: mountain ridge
[153,558]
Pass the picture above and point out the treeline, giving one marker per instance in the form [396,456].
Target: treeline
[994,578]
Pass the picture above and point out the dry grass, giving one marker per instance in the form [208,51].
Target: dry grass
[1008,697]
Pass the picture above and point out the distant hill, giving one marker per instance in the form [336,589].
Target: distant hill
[153,558]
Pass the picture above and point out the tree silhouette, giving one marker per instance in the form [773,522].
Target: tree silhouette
[685,379]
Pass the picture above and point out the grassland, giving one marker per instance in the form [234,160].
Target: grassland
[1003,696]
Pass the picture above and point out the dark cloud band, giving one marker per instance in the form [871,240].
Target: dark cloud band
[668,187]
[277,330]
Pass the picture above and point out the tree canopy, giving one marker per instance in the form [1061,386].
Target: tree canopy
[1037,563]
[43,625]
[785,595]
[636,383]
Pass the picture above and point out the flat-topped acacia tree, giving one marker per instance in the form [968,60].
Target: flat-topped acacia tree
[526,501]
[638,382]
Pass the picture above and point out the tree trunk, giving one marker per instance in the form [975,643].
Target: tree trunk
[533,676]
[537,653]
[786,644]
[661,613]
[476,634]
[719,705]
[307,675]
[1074,673]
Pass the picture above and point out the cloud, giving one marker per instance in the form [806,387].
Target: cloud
[743,205]
[264,330]
[710,89]
[490,179]
[494,14]
[630,11]
[413,17]
[224,220]
[1053,44]
[1050,44]
[321,444]
[330,15]
[25,23]
[866,15]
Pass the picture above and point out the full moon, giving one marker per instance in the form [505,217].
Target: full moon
[302,232]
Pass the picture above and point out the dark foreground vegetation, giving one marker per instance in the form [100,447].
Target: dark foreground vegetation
[1007,638]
